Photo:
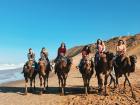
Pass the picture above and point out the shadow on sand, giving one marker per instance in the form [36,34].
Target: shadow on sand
[50,90]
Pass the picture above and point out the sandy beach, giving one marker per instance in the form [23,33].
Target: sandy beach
[12,93]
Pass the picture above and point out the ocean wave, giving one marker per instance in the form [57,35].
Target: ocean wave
[13,75]
[10,66]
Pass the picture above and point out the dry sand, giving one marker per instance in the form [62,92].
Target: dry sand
[12,93]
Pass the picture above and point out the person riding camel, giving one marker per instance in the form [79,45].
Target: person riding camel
[100,49]
[61,52]
[120,51]
[85,54]
[44,55]
[31,57]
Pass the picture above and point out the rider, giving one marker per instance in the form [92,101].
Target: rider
[120,51]
[31,57]
[61,52]
[44,55]
[100,49]
[85,54]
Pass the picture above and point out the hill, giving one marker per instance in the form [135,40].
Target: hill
[132,42]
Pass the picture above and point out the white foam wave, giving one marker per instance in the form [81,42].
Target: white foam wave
[10,66]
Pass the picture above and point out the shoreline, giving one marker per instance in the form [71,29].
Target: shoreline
[10,83]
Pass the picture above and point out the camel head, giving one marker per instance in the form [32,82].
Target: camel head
[87,64]
[133,58]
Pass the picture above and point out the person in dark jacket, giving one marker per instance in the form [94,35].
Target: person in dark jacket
[85,54]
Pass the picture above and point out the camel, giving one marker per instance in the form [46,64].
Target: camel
[87,70]
[62,68]
[29,74]
[125,66]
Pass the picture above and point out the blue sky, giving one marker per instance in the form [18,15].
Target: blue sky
[47,23]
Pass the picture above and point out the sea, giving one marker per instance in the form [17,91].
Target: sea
[10,73]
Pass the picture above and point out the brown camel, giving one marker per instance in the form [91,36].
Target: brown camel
[124,66]
[29,74]
[104,67]
[87,70]
[62,68]
[44,69]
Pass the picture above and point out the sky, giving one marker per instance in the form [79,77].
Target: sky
[46,23]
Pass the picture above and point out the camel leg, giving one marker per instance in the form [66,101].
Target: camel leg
[62,91]
[105,84]
[85,84]
[86,91]
[47,81]
[62,87]
[34,81]
[59,82]
[125,83]
[31,81]
[65,80]
[112,80]
[100,83]
[40,85]
[117,82]
[26,87]
[133,95]
[44,84]
[34,84]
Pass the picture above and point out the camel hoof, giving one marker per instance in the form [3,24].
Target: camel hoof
[134,96]
[44,91]
[46,88]
[25,93]
[62,94]
[41,93]
[106,94]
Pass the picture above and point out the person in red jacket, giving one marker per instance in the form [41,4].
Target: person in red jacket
[61,52]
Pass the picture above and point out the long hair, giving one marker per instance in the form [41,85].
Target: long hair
[87,48]
[121,41]
[99,40]
[63,44]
